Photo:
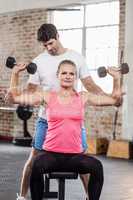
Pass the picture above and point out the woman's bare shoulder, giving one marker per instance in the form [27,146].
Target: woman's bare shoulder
[82,93]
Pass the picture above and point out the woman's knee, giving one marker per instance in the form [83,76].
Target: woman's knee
[99,165]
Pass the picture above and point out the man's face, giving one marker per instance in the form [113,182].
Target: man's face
[52,46]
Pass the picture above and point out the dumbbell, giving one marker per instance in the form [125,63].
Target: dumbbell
[11,62]
[102,71]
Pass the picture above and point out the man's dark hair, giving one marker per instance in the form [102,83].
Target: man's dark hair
[46,32]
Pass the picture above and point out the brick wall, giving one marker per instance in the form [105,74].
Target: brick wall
[99,121]
[18,38]
[122,25]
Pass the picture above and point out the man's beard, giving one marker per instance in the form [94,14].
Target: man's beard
[53,52]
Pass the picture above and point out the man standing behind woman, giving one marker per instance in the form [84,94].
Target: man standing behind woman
[47,64]
[65,114]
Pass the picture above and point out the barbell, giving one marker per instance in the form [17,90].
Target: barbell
[11,62]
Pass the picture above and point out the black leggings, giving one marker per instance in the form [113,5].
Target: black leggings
[59,162]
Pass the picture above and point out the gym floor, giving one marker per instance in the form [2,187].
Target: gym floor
[118,183]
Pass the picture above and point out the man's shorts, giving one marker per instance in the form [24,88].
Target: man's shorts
[40,134]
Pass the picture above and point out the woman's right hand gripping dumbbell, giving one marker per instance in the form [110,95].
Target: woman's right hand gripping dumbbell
[19,68]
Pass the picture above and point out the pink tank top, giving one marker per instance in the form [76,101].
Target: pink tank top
[64,125]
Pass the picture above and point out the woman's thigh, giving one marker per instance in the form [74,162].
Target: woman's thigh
[45,162]
[83,163]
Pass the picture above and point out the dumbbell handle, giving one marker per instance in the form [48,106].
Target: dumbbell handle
[11,62]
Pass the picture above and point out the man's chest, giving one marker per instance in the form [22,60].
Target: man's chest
[47,76]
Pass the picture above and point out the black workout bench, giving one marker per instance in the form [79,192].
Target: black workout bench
[60,176]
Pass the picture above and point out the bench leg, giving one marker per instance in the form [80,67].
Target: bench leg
[61,189]
[47,193]
[47,184]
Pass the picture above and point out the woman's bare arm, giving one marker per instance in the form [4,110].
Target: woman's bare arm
[104,99]
[24,97]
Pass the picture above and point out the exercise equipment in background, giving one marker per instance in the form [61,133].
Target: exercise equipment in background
[24,113]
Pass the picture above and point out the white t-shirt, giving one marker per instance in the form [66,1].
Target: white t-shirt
[47,66]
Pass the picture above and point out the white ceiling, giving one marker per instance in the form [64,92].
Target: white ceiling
[15,5]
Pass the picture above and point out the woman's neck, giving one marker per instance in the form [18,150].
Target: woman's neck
[66,92]
[65,95]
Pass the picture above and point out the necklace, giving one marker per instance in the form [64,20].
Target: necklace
[65,94]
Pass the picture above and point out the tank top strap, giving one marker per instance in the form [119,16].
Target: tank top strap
[79,99]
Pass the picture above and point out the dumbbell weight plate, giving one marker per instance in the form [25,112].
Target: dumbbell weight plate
[10,62]
[124,68]
[31,68]
[101,71]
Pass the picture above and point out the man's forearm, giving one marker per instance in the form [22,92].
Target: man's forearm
[116,86]
[94,89]
[91,86]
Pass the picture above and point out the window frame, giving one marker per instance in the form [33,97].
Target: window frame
[84,29]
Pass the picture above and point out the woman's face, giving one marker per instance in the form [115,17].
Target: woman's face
[67,75]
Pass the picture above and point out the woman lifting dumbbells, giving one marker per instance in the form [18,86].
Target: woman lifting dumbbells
[65,113]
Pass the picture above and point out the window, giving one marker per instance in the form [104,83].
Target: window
[70,37]
[92,30]
[70,30]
